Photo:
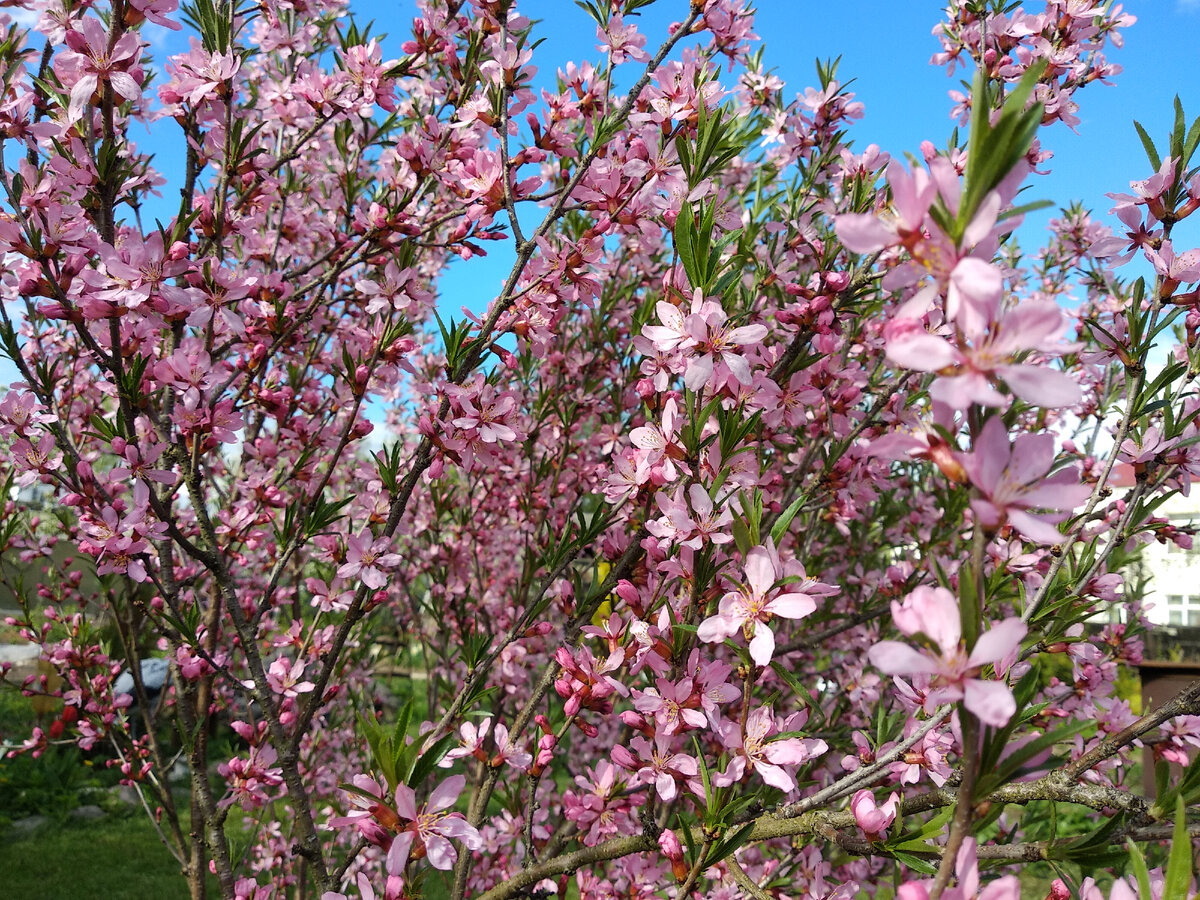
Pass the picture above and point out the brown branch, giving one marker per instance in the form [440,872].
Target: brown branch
[1185,703]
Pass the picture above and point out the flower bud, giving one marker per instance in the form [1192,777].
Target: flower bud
[669,844]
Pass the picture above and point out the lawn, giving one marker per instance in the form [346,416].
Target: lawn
[117,857]
[107,859]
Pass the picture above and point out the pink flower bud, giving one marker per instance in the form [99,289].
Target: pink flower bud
[873,820]
[669,844]
[623,758]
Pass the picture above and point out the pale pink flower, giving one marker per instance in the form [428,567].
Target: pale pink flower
[658,441]
[672,704]
[431,827]
[1015,478]
[284,678]
[712,338]
[90,62]
[912,195]
[368,559]
[750,608]
[198,76]
[656,764]
[621,41]
[1174,269]
[968,887]
[672,333]
[767,758]
[986,345]
[955,674]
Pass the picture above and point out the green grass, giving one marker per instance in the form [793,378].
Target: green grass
[108,859]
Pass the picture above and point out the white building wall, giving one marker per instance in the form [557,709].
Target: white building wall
[1173,574]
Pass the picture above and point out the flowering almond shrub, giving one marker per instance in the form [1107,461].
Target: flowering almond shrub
[746,545]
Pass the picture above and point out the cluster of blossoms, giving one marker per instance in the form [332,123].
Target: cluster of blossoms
[746,529]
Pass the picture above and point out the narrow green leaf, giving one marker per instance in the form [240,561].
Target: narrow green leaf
[779,529]
[922,866]
[1148,146]
[729,844]
[705,779]
[1138,863]
[1179,864]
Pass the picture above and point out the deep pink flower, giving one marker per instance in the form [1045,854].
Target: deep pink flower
[872,819]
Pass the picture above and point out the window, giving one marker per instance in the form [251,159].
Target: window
[1183,610]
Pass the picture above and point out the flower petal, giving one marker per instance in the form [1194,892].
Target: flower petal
[397,856]
[762,647]
[446,793]
[991,701]
[997,642]
[895,658]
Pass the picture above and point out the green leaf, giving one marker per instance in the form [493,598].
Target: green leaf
[1148,146]
[993,151]
[1138,863]
[430,758]
[685,237]
[1013,763]
[779,529]
[728,845]
[1179,864]
[706,780]
[916,863]
[1032,206]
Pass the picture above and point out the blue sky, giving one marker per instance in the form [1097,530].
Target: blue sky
[885,47]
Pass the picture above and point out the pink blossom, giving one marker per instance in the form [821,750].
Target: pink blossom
[655,764]
[659,441]
[621,41]
[1015,479]
[198,76]
[90,62]
[968,887]
[35,462]
[711,339]
[872,819]
[770,759]
[987,341]
[672,704]
[934,612]
[912,194]
[750,608]
[284,678]
[431,827]
[368,559]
